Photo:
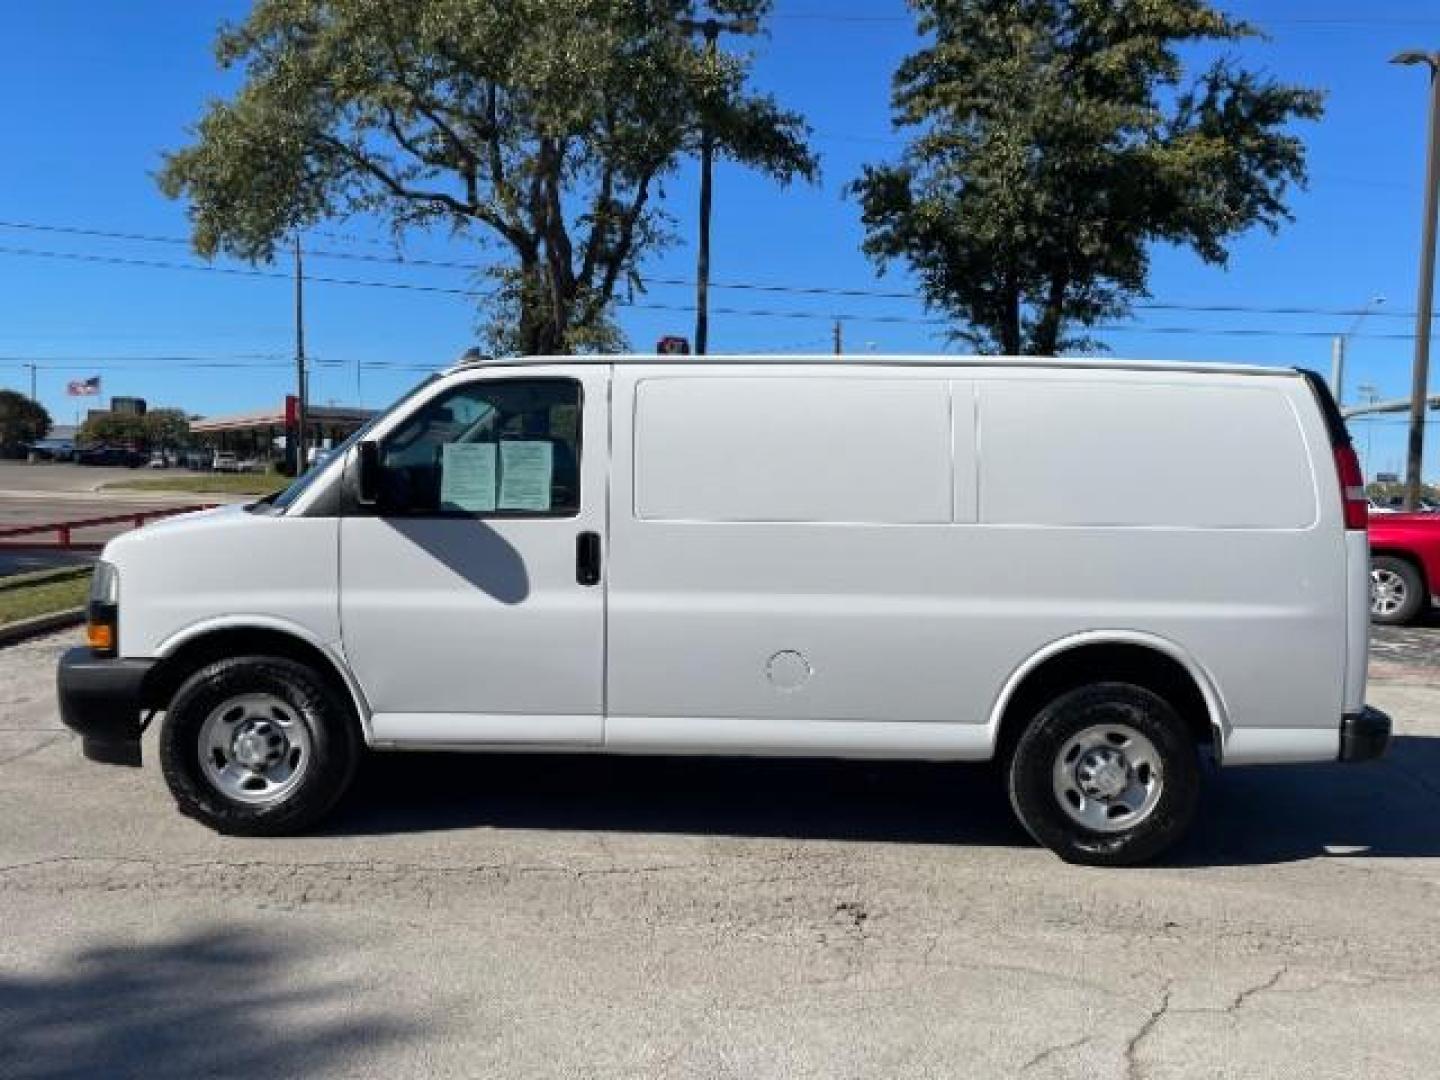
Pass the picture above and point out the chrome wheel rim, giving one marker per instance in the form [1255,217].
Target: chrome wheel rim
[1108,778]
[254,748]
[1388,591]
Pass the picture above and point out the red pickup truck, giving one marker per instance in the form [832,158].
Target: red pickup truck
[1404,566]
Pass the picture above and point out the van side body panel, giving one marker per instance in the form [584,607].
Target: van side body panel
[915,621]
[188,574]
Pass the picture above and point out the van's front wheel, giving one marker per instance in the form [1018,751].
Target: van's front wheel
[1105,775]
[257,746]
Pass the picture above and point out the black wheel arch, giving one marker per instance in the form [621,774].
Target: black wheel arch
[1084,663]
[167,676]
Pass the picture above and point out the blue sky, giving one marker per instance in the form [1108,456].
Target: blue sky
[95,91]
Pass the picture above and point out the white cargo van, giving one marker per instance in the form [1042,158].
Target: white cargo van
[1095,572]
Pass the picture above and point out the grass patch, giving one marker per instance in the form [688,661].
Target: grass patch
[207,483]
[42,595]
[42,577]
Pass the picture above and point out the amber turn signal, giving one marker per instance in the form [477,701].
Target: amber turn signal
[100,636]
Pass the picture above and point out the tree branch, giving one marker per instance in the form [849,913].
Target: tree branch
[600,219]
[624,243]
[394,185]
[517,238]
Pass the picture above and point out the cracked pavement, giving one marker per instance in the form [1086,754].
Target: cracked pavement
[553,916]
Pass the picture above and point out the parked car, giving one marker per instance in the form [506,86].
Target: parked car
[770,558]
[52,450]
[224,462]
[158,460]
[1404,566]
[111,455]
[1396,504]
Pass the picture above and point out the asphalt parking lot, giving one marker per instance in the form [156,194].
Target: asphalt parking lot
[562,917]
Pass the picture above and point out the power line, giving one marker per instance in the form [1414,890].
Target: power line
[105,369]
[1337,23]
[155,264]
[850,292]
[149,358]
[824,316]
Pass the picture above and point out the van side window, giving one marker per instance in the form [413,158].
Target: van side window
[491,448]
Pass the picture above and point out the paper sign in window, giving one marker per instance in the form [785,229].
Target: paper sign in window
[467,477]
[527,470]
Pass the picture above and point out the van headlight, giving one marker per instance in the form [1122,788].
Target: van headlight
[102,625]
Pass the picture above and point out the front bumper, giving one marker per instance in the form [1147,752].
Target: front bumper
[1365,735]
[100,699]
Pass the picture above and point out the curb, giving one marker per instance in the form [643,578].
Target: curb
[25,629]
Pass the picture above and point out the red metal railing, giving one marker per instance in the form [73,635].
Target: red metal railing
[64,530]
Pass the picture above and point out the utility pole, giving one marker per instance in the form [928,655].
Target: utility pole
[1371,394]
[32,367]
[838,336]
[1337,349]
[710,29]
[1421,382]
[301,387]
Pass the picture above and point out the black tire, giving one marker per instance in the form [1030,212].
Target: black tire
[1032,766]
[333,751]
[1402,576]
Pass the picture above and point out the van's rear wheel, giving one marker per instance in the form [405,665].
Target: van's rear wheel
[1396,591]
[257,746]
[1106,775]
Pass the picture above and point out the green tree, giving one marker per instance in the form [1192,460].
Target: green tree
[113,428]
[1054,142]
[540,126]
[166,429]
[22,421]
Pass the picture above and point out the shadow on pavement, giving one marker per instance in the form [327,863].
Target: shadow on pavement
[217,1003]
[1280,813]
[903,802]
[1250,815]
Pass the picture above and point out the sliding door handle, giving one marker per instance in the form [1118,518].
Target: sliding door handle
[587,558]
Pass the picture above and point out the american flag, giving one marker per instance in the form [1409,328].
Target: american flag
[84,387]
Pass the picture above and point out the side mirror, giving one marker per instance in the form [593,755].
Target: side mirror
[367,473]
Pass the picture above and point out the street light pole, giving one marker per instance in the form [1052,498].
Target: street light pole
[1423,308]
[710,29]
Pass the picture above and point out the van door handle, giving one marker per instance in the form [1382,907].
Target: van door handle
[587,558]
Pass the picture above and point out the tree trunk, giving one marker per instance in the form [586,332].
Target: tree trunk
[1046,341]
[1010,319]
[540,332]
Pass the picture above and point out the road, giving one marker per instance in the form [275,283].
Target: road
[563,917]
[39,494]
[20,476]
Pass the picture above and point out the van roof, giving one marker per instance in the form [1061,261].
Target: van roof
[1105,363]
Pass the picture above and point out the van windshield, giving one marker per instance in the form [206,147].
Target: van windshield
[286,497]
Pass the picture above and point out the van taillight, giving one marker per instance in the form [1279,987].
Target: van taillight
[1352,487]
